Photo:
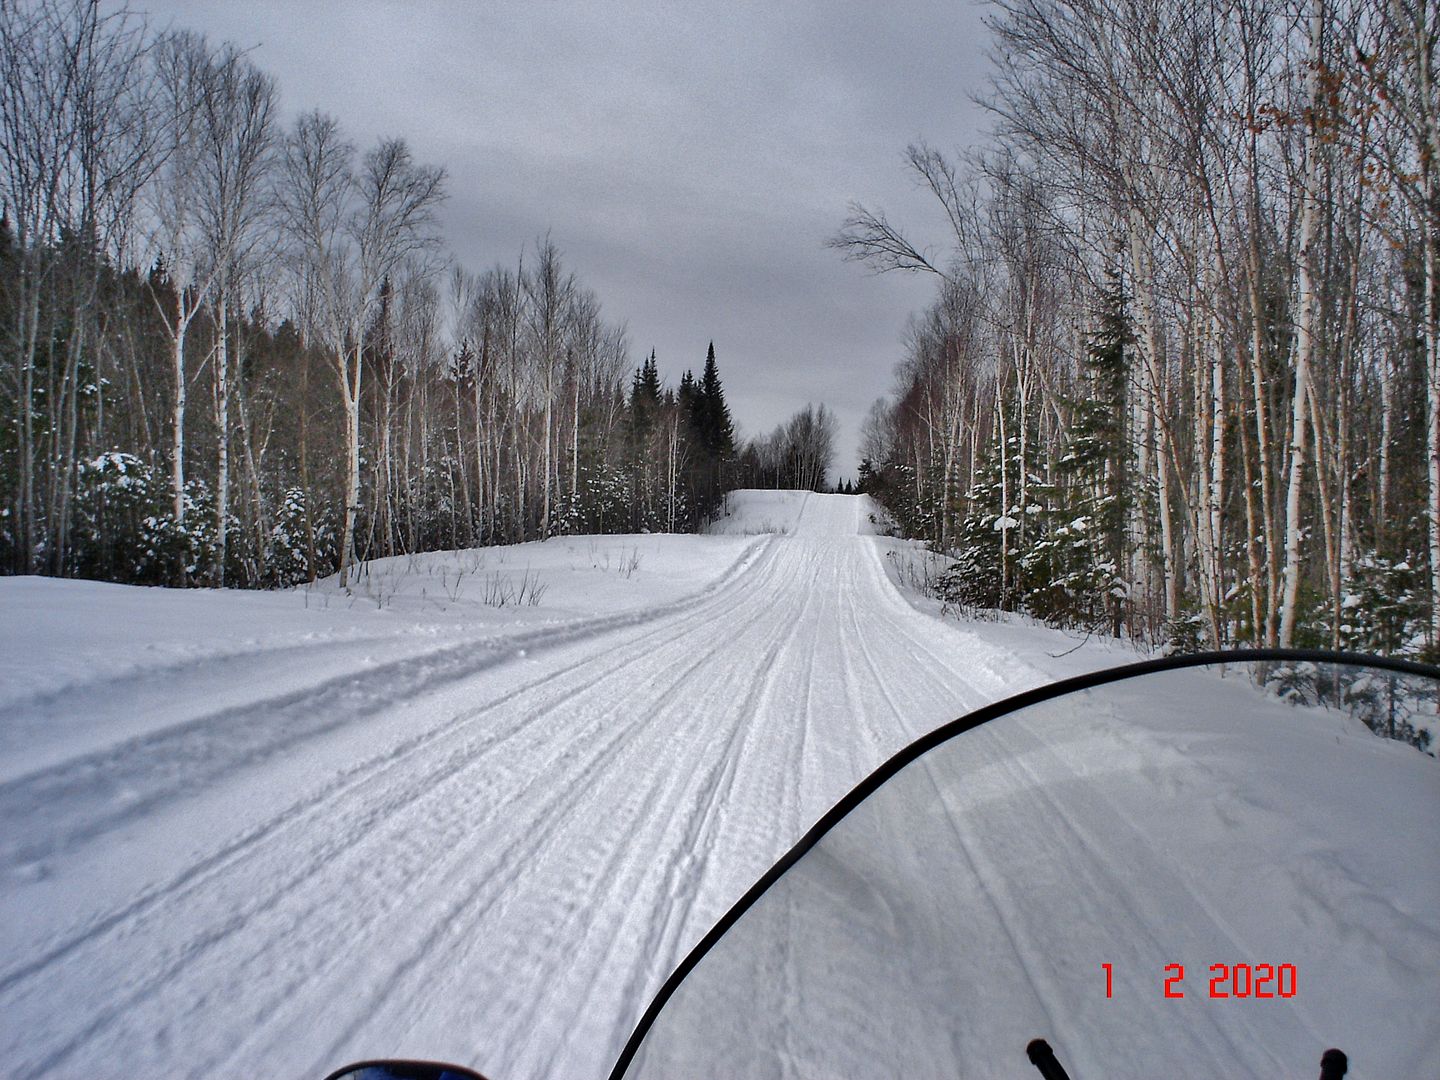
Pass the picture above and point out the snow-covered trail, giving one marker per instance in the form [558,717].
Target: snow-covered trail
[496,864]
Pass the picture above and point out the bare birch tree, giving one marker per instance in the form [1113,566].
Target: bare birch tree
[355,228]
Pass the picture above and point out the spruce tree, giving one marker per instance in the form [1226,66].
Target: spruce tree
[983,574]
[645,386]
[1057,567]
[688,394]
[717,433]
[644,411]
[1098,454]
[867,476]
[712,434]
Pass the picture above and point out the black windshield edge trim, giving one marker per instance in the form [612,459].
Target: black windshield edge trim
[950,730]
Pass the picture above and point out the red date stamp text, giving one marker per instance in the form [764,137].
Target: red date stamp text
[1239,981]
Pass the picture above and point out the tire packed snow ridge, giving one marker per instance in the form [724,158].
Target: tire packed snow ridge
[494,850]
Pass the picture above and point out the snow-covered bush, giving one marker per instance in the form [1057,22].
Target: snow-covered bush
[296,531]
[1383,606]
[598,505]
[1188,632]
[124,526]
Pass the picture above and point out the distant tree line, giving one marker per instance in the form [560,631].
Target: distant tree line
[1181,378]
[233,353]
[797,454]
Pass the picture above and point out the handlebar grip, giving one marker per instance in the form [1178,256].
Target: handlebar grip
[1043,1058]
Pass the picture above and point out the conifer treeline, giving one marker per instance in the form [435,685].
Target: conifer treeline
[231,353]
[1182,377]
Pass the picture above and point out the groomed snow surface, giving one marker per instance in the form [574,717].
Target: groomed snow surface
[263,834]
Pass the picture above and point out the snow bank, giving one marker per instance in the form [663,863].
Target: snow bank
[85,663]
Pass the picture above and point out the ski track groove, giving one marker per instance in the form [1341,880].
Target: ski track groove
[538,834]
[672,923]
[349,779]
[897,713]
[291,721]
[668,931]
[568,802]
[1099,886]
[358,833]
[798,804]
[1021,948]
[995,895]
[655,720]
[227,926]
[712,793]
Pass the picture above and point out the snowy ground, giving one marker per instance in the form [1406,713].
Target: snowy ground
[262,834]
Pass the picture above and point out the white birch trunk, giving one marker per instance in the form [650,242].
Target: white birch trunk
[1149,342]
[350,373]
[1271,581]
[549,452]
[1205,540]
[177,420]
[1306,312]
[222,431]
[1430,110]
[1217,472]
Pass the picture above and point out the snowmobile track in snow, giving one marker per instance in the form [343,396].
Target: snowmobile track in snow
[532,864]
[493,852]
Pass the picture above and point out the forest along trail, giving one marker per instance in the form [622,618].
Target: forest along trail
[504,874]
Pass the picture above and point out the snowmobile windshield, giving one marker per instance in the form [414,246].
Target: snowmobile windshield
[1182,868]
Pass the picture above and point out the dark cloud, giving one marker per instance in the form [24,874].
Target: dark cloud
[689,159]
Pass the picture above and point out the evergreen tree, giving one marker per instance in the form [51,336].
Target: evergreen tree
[717,433]
[1059,553]
[645,387]
[688,394]
[867,476]
[1098,453]
[988,551]
[1058,571]
[1384,606]
[645,405]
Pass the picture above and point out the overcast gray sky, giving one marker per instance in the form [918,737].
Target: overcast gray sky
[688,159]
